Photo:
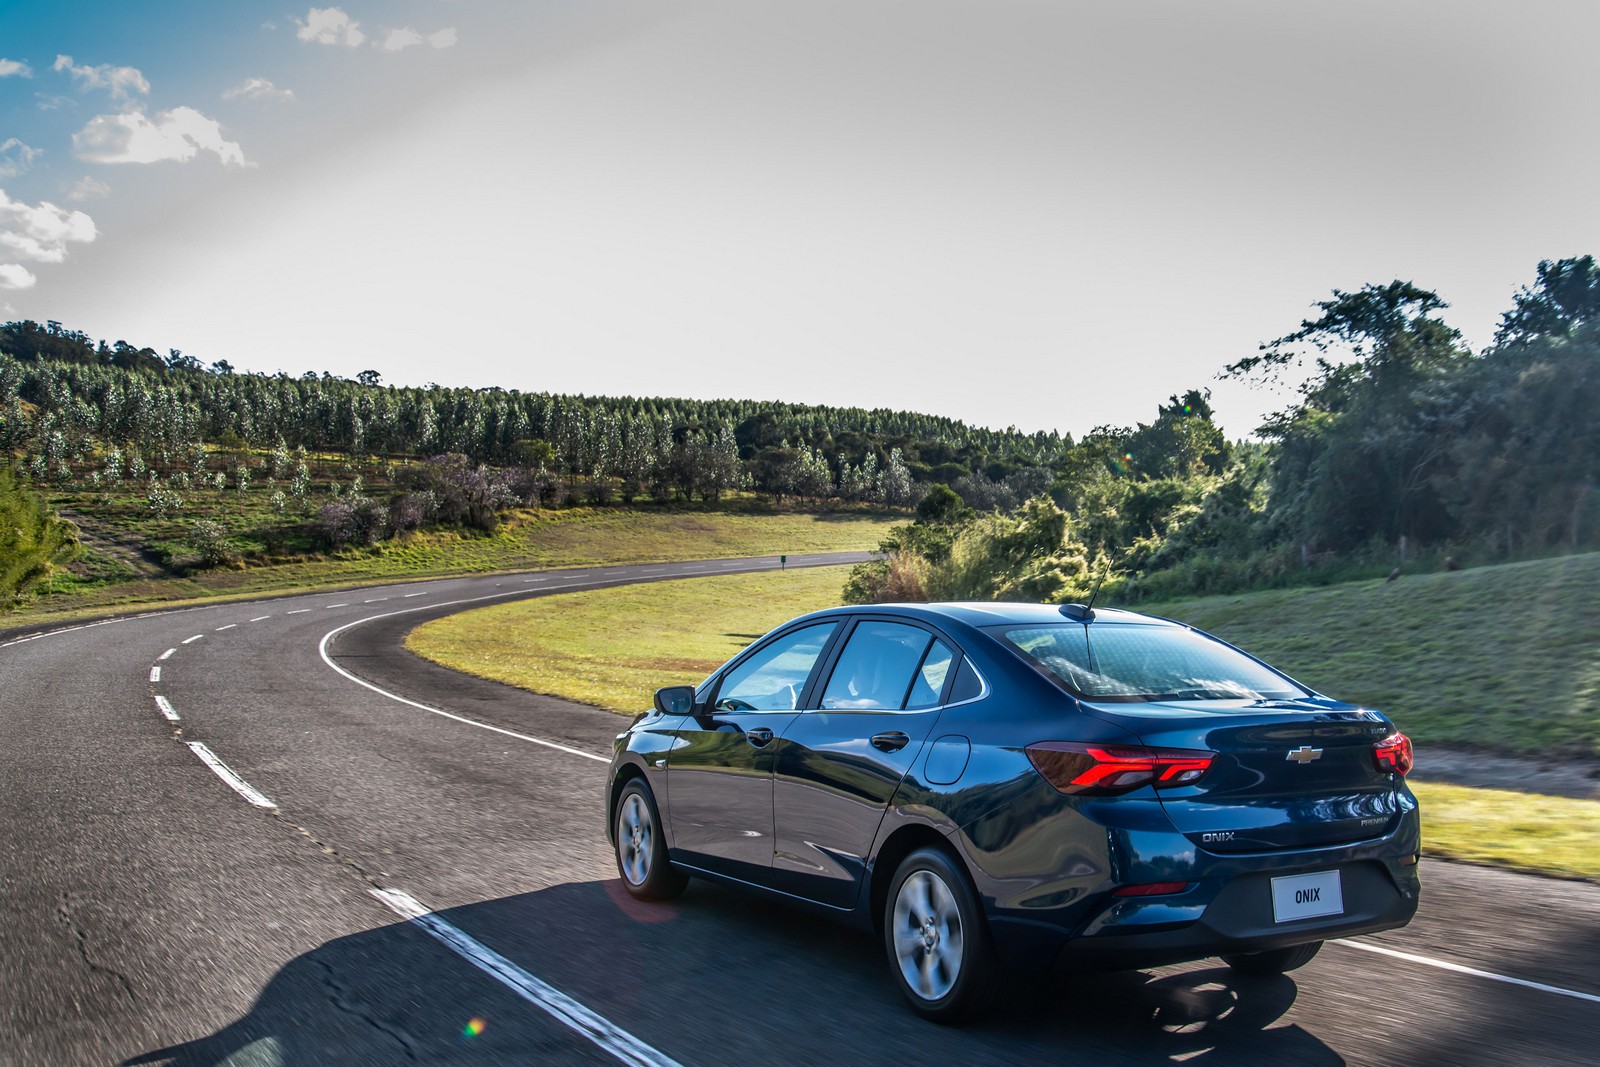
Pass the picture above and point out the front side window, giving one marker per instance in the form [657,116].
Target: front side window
[877,667]
[772,678]
[1122,662]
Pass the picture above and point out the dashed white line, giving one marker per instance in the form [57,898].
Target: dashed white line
[258,618]
[597,1028]
[346,604]
[226,773]
[1446,965]
[192,640]
[408,596]
[155,674]
[165,708]
[299,611]
[167,654]
[525,580]
[376,600]
[230,626]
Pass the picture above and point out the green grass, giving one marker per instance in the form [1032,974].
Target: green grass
[1522,831]
[613,648]
[1503,658]
[1398,645]
[528,540]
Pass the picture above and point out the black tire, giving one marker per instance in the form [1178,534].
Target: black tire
[938,942]
[1275,961]
[640,848]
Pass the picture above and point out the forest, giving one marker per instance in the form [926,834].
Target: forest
[1401,448]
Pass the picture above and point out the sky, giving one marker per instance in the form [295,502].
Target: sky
[1050,215]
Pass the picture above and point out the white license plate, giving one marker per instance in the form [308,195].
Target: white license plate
[1306,896]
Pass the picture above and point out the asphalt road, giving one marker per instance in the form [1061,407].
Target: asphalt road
[151,912]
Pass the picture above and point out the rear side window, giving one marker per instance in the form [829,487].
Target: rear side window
[772,678]
[878,667]
[1109,661]
[928,682]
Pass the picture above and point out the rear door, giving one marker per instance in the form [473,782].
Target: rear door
[840,761]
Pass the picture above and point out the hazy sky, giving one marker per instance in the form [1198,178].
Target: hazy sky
[1050,215]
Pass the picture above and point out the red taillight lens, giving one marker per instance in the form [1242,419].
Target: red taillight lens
[1393,753]
[1151,889]
[1078,769]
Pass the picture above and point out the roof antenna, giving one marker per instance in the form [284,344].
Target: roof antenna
[1085,612]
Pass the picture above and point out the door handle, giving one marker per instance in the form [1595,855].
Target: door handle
[893,741]
[758,736]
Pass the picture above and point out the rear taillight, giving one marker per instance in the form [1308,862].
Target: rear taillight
[1393,753]
[1079,769]
[1150,889]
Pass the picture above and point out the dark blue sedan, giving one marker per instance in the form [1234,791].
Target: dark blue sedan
[1016,785]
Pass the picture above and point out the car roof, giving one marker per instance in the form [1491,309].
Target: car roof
[998,613]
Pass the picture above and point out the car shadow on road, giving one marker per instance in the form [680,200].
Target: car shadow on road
[716,977]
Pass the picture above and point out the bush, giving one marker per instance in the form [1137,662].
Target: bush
[209,540]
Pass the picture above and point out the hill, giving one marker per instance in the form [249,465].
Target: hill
[1500,659]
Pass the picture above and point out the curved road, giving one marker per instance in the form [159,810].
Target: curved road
[426,880]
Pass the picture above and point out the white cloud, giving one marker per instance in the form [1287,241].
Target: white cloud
[401,39]
[118,81]
[16,276]
[40,232]
[405,37]
[15,68]
[179,134]
[330,25]
[51,101]
[16,157]
[87,188]
[257,89]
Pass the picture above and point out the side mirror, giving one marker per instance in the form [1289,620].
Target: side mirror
[675,700]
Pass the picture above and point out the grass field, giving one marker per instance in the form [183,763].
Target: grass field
[616,647]
[1416,647]
[1500,658]
[528,540]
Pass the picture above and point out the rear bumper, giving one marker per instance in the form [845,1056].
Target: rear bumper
[1210,920]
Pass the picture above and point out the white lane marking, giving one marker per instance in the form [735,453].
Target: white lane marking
[299,611]
[1446,965]
[658,570]
[166,709]
[192,640]
[408,596]
[258,618]
[167,654]
[597,1028]
[733,563]
[230,626]
[376,600]
[226,773]
[535,580]
[155,674]
[344,605]
[327,638]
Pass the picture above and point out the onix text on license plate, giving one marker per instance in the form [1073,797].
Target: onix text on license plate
[1305,896]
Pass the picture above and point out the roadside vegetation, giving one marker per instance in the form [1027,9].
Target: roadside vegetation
[1402,448]
[614,648]
[1499,659]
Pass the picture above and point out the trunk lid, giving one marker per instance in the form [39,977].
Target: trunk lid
[1291,773]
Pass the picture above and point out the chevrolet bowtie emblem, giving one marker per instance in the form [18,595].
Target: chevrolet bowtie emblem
[1304,754]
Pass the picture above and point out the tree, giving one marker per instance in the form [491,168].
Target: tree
[370,378]
[1564,296]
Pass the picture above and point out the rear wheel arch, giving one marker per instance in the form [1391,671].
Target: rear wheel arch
[900,844]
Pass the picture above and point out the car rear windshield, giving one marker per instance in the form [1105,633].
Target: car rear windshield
[1122,662]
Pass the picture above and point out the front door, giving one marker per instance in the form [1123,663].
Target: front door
[719,773]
